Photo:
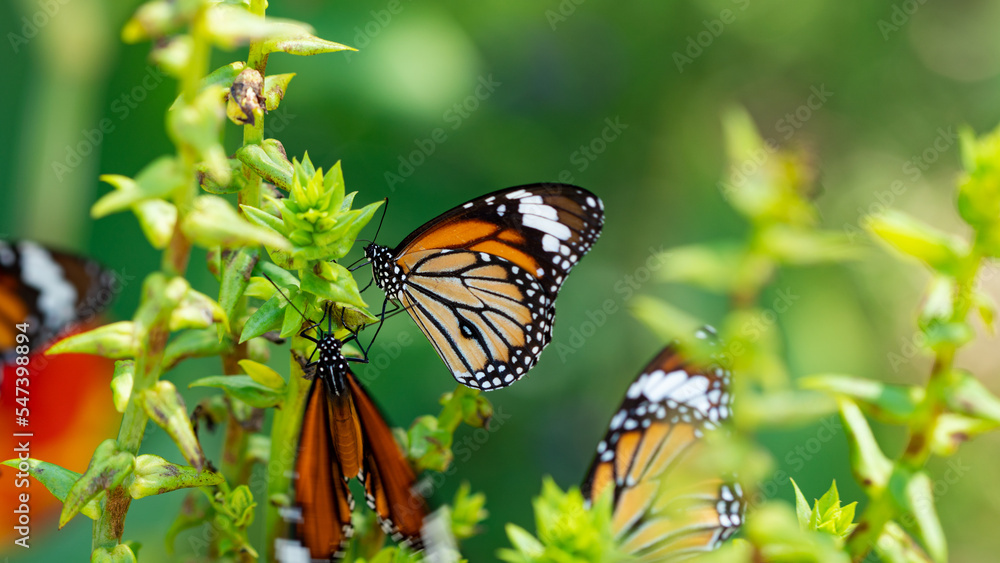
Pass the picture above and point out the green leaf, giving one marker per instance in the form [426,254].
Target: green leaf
[195,344]
[467,512]
[121,383]
[155,476]
[941,251]
[197,310]
[802,510]
[968,396]
[108,469]
[213,222]
[799,245]
[952,430]
[115,340]
[157,180]
[268,161]
[266,318]
[275,86]
[235,278]
[871,467]
[333,282]
[895,404]
[165,406]
[244,388]
[56,479]
[666,321]
[298,42]
[429,444]
[264,375]
[157,219]
[197,125]
[715,268]
[896,546]
[914,493]
[121,553]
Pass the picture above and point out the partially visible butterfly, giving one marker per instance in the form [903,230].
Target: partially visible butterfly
[657,515]
[481,280]
[49,290]
[344,436]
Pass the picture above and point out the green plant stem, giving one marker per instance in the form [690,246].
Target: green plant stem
[918,447]
[108,529]
[284,447]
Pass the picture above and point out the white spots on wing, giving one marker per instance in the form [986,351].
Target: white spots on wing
[548,226]
[550,243]
[591,202]
[538,209]
[501,209]
[57,296]
[616,422]
[517,194]
[468,205]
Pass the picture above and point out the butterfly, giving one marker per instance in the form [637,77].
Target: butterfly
[49,291]
[659,515]
[481,280]
[344,436]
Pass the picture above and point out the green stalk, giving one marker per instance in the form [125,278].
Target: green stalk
[918,447]
[108,529]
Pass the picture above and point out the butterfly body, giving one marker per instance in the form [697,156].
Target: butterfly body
[481,280]
[344,436]
[660,512]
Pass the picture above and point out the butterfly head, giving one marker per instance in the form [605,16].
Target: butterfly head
[388,274]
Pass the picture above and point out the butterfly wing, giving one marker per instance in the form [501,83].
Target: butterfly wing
[481,280]
[388,478]
[657,516]
[321,492]
[47,289]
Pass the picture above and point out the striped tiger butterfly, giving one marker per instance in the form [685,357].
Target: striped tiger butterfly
[47,290]
[481,280]
[343,436]
[659,514]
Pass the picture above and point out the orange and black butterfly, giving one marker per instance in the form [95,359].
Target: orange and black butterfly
[48,291]
[660,514]
[344,436]
[481,280]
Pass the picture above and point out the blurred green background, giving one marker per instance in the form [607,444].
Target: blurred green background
[624,100]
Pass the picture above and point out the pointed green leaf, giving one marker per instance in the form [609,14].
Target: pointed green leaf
[266,318]
[108,469]
[166,408]
[266,164]
[968,396]
[197,310]
[157,180]
[275,86]
[942,252]
[891,403]
[264,375]
[235,278]
[56,479]
[115,340]
[896,546]
[244,388]
[213,222]
[802,510]
[121,383]
[297,42]
[333,282]
[952,430]
[870,466]
[914,493]
[195,344]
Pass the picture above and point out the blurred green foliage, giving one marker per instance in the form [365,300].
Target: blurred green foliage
[871,94]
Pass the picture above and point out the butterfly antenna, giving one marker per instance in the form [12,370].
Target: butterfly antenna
[385,206]
[290,301]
